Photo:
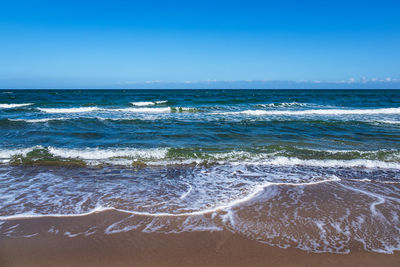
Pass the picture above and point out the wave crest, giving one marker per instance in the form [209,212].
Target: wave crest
[15,105]
[316,112]
[148,103]
[172,156]
[69,110]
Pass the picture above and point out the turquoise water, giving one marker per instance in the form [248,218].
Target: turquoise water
[186,153]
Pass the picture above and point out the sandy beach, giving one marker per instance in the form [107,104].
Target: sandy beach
[136,248]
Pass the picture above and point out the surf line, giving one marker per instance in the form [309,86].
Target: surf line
[222,207]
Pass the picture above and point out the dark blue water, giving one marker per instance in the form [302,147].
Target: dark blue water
[243,156]
[194,121]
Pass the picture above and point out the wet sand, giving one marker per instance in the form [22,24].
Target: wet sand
[136,248]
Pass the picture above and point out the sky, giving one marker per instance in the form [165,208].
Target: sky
[200,44]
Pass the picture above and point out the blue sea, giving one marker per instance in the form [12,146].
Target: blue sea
[317,170]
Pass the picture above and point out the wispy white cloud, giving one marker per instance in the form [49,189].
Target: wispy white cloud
[351,83]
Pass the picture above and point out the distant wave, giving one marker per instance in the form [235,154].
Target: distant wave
[142,110]
[91,109]
[318,112]
[144,103]
[108,117]
[69,110]
[284,104]
[154,110]
[15,105]
[41,120]
[388,122]
[131,110]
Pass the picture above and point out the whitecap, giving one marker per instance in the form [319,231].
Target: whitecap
[69,110]
[15,105]
[317,112]
[142,110]
[284,104]
[40,120]
[148,103]
[98,154]
[143,103]
[8,153]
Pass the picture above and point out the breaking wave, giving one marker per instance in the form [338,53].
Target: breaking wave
[127,110]
[15,105]
[318,112]
[283,105]
[385,159]
[69,110]
[149,103]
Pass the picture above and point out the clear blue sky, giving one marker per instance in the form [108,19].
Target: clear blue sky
[131,43]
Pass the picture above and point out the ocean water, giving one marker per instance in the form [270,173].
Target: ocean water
[318,170]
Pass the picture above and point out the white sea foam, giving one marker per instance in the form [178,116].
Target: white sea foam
[148,103]
[107,110]
[8,153]
[143,103]
[98,154]
[126,110]
[15,105]
[91,153]
[28,215]
[185,194]
[221,207]
[41,120]
[118,226]
[284,104]
[281,212]
[69,110]
[88,232]
[379,199]
[142,110]
[317,112]
[388,122]
[292,161]
[363,163]
[158,157]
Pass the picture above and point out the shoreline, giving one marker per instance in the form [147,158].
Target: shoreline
[185,249]
[139,248]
